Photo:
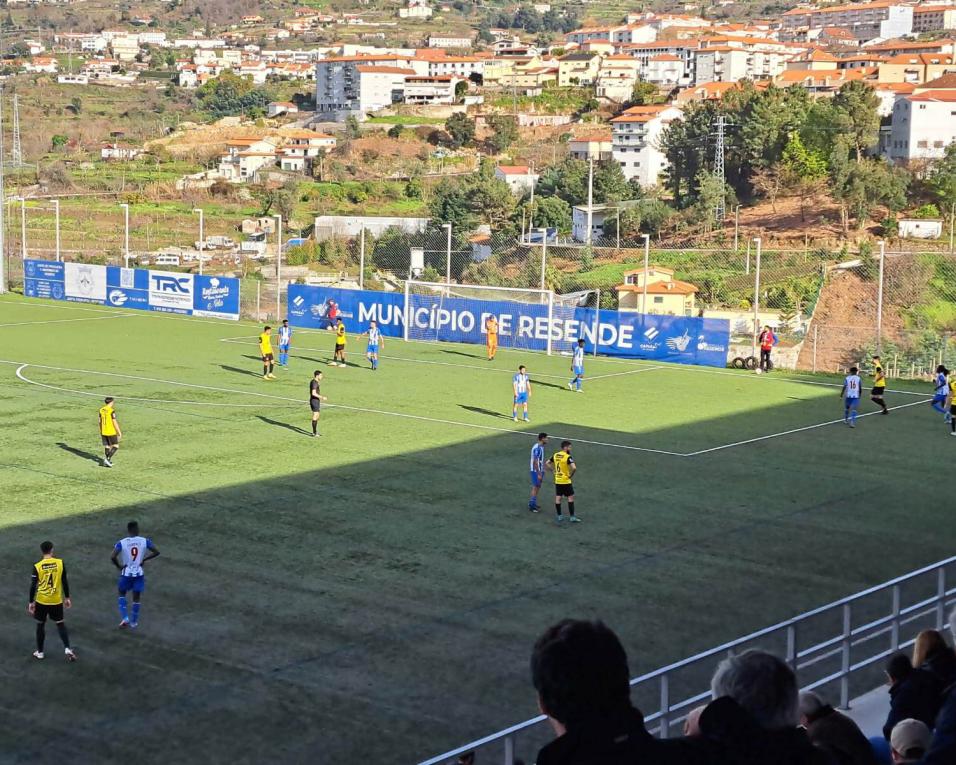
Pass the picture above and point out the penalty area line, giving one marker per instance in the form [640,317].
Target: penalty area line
[62,321]
[796,430]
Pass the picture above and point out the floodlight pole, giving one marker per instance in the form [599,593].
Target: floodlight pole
[757,245]
[362,259]
[202,237]
[3,201]
[279,269]
[23,228]
[447,254]
[879,300]
[56,224]
[647,263]
[125,207]
[736,227]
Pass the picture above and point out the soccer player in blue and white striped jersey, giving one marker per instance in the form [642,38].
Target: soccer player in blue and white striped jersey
[577,366]
[285,341]
[537,470]
[521,385]
[374,341]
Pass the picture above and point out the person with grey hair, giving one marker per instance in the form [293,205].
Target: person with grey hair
[942,751]
[753,718]
[834,732]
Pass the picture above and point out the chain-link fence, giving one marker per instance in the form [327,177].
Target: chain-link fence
[830,309]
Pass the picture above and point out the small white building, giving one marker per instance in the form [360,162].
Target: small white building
[438,89]
[278,108]
[595,146]
[448,41]
[520,178]
[119,151]
[599,214]
[920,228]
[923,125]
[329,226]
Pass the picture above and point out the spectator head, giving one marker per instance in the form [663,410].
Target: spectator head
[928,644]
[468,758]
[760,683]
[692,722]
[810,705]
[898,667]
[580,672]
[910,740]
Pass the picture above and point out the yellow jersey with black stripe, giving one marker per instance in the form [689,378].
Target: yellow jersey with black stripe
[562,462]
[879,377]
[107,423]
[49,572]
[265,343]
[340,334]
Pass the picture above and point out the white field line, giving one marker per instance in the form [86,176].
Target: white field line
[60,321]
[421,418]
[592,378]
[796,430]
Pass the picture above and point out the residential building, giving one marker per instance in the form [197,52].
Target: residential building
[125,47]
[728,64]
[923,125]
[666,71]
[666,295]
[430,89]
[449,41]
[119,151]
[814,60]
[821,83]
[920,228]
[328,226]
[933,18]
[921,67]
[705,91]
[520,178]
[635,138]
[579,221]
[883,19]
[244,157]
[596,146]
[586,34]
[578,69]
[47,64]
[634,33]
[617,77]
[277,108]
[359,84]
[416,9]
[464,67]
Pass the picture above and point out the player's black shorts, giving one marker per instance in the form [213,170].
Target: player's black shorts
[41,611]
[563,490]
[952,407]
[268,357]
[110,440]
[878,392]
[315,404]
[339,347]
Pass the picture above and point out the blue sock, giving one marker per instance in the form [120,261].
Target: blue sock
[853,415]
[939,408]
[578,383]
[122,606]
[135,612]
[846,413]
[374,363]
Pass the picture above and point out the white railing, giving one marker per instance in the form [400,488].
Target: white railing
[829,660]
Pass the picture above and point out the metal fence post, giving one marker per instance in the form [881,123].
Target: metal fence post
[879,301]
[258,299]
[895,628]
[815,337]
[362,261]
[941,597]
[792,646]
[647,258]
[845,657]
[509,750]
[757,244]
[665,705]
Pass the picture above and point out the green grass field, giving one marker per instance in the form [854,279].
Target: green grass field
[372,596]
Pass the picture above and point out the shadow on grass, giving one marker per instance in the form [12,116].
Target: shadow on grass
[286,425]
[486,412]
[239,371]
[79,452]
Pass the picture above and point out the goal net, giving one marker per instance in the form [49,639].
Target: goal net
[527,319]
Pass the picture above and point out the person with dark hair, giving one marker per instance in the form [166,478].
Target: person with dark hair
[580,672]
[130,554]
[834,732]
[941,391]
[767,340]
[562,463]
[878,391]
[914,693]
[49,594]
[942,750]
[265,351]
[110,433]
[315,400]
[930,652]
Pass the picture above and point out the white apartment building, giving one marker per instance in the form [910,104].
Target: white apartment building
[933,18]
[437,89]
[448,41]
[634,141]
[923,125]
[866,21]
[456,66]
[634,33]
[666,71]
[617,77]
[359,84]
[726,64]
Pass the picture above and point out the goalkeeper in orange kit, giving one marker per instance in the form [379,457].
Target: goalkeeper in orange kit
[491,336]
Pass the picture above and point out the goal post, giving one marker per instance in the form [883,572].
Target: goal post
[531,319]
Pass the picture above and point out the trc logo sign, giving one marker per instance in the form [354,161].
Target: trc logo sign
[176,285]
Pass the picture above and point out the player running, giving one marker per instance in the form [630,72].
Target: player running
[338,357]
[374,341]
[577,367]
[879,385]
[537,471]
[562,463]
[49,594]
[315,400]
[491,337]
[133,550]
[521,386]
[285,341]
[110,433]
[850,392]
[265,350]
[941,392]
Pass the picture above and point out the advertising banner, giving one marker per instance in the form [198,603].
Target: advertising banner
[165,291]
[681,339]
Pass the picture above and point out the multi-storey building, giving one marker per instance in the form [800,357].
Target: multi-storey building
[635,136]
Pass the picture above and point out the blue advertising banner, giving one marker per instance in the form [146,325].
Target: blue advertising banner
[164,291]
[680,339]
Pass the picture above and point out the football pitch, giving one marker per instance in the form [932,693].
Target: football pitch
[373,595]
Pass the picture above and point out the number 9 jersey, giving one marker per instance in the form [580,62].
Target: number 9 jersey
[132,550]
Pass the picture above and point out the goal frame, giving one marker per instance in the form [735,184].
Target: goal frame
[547,298]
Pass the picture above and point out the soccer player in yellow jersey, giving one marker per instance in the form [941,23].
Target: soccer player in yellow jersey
[265,350]
[562,463]
[110,432]
[491,336]
[339,356]
[49,593]
[879,385]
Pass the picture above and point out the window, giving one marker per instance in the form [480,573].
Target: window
[938,144]
[658,298]
[922,144]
